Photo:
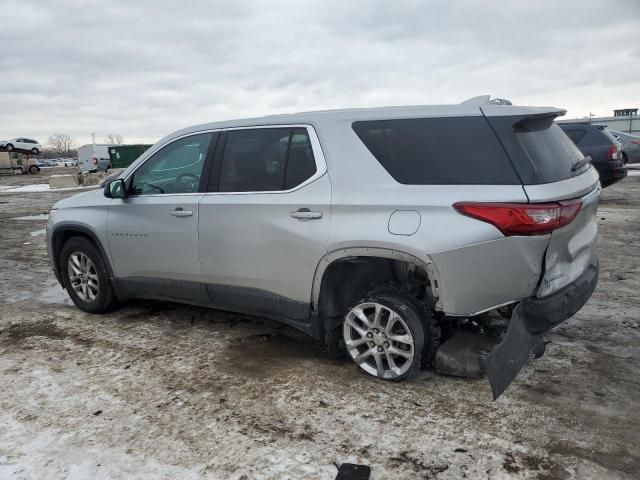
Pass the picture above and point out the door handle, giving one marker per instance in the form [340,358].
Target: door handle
[304,214]
[180,212]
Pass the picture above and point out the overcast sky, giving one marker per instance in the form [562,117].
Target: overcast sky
[144,68]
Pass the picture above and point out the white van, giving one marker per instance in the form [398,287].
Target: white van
[93,157]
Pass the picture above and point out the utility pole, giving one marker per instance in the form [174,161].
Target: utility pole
[93,138]
[591,115]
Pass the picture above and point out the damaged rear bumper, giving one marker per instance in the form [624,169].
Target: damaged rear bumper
[531,319]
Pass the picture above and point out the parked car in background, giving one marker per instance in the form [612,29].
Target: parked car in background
[598,143]
[264,216]
[94,157]
[67,162]
[22,144]
[630,146]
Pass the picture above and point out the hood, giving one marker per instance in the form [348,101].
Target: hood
[84,199]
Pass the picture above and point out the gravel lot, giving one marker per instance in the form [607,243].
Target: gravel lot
[159,390]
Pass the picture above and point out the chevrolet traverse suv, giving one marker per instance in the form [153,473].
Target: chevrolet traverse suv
[376,230]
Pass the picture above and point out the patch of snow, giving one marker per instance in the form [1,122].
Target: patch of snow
[44,187]
[55,295]
[38,232]
[6,187]
[633,173]
[42,216]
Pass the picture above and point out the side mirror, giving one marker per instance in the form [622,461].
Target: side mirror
[115,189]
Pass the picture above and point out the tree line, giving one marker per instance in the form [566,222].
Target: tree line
[61,145]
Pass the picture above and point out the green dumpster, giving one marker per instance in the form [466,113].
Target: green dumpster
[123,155]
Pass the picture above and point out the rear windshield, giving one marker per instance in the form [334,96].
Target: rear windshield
[549,149]
[438,151]
[540,151]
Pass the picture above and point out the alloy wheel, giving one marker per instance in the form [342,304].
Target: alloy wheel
[379,340]
[83,276]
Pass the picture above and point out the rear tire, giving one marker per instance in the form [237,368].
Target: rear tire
[86,277]
[385,336]
[625,159]
[33,169]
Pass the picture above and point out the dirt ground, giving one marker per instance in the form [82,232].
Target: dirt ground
[164,391]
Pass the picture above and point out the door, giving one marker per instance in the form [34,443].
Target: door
[153,236]
[264,225]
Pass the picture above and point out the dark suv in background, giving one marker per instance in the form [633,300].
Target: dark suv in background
[598,143]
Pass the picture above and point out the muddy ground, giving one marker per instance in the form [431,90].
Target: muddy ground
[159,390]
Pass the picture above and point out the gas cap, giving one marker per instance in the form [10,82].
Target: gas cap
[404,222]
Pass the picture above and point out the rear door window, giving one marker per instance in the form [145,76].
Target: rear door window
[266,160]
[438,151]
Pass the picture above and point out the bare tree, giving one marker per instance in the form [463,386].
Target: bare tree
[114,139]
[62,144]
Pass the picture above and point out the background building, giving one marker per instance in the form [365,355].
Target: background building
[623,120]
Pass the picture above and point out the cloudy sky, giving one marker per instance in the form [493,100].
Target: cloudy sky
[147,67]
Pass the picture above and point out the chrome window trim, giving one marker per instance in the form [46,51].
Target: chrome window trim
[318,156]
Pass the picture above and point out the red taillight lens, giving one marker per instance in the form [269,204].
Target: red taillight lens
[95,160]
[522,218]
[612,152]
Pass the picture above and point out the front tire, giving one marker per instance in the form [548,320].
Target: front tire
[8,147]
[85,276]
[385,335]
[33,169]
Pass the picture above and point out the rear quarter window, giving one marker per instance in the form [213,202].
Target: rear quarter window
[438,151]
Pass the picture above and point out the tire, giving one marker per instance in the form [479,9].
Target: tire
[8,147]
[35,151]
[97,296]
[625,159]
[393,347]
[33,169]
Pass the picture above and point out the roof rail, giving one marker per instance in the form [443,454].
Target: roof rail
[484,100]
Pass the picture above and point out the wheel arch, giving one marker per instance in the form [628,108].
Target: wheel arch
[376,267]
[63,232]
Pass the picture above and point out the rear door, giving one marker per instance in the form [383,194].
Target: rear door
[549,164]
[264,224]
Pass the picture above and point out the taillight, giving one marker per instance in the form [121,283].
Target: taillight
[95,160]
[522,218]
[612,152]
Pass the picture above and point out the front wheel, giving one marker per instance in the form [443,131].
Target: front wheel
[33,169]
[8,147]
[385,335]
[85,276]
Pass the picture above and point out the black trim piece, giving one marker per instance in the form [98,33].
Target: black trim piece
[250,301]
[208,162]
[286,161]
[258,300]
[167,289]
[213,179]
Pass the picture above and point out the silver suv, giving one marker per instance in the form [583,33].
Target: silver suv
[384,231]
